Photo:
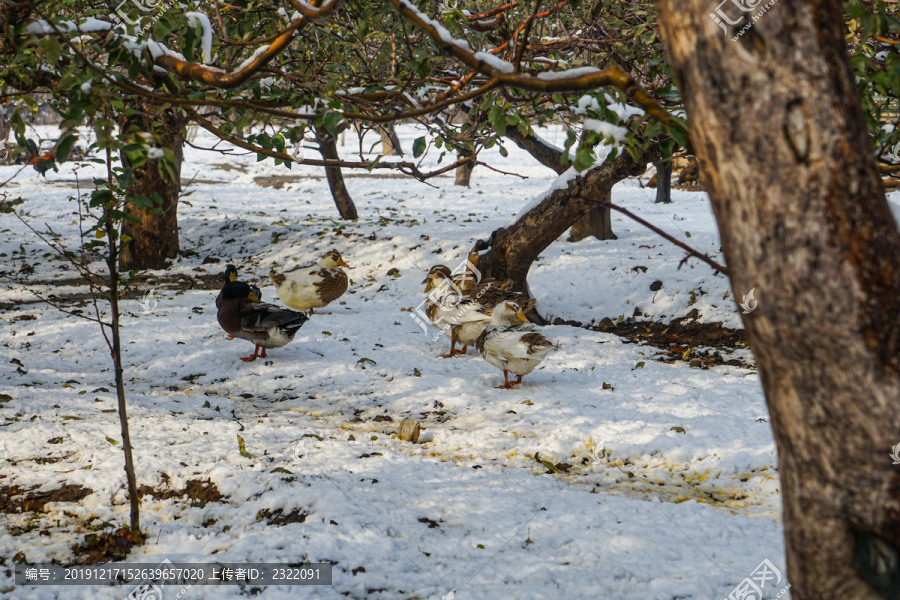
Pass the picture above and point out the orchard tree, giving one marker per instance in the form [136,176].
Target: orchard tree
[791,172]
[266,80]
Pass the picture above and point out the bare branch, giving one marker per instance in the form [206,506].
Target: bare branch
[657,230]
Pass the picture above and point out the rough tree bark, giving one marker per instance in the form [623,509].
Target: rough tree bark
[342,198]
[598,221]
[789,166]
[155,238]
[514,249]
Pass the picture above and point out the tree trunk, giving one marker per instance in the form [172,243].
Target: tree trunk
[597,222]
[464,175]
[804,223]
[134,499]
[155,238]
[342,199]
[390,143]
[663,180]
[514,249]
[543,151]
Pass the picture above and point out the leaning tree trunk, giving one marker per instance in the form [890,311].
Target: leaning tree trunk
[513,249]
[342,198]
[598,221]
[789,166]
[155,238]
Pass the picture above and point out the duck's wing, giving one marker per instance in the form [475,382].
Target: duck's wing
[515,343]
[260,317]
[331,285]
[469,311]
[490,297]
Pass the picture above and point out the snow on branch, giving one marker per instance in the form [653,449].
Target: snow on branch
[198,18]
[583,78]
[89,25]
[218,78]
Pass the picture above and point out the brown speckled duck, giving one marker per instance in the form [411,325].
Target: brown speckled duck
[314,286]
[463,318]
[242,315]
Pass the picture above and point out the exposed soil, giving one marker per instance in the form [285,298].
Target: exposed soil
[196,490]
[685,339]
[209,278]
[278,517]
[14,499]
[107,546]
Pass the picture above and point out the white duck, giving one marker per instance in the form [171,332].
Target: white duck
[313,286]
[510,349]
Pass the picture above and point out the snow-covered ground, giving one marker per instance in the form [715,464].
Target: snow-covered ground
[668,489]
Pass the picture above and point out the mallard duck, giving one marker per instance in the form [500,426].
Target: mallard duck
[510,349]
[462,319]
[313,286]
[242,315]
[231,275]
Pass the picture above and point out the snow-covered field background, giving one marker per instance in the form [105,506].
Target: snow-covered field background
[668,485]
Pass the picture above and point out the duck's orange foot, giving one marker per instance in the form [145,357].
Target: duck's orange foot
[508,385]
[453,351]
[256,354]
[230,337]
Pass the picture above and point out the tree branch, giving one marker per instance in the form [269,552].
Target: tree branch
[561,81]
[658,231]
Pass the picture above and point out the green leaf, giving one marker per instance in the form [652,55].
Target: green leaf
[112,441]
[64,145]
[419,146]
